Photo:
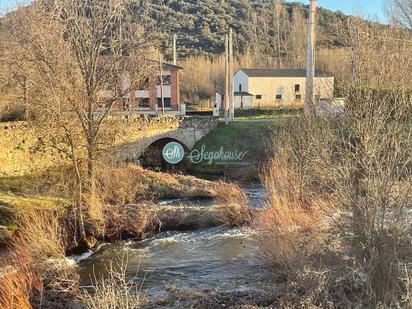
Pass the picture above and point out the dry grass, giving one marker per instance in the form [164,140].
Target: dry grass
[125,221]
[42,276]
[301,245]
[40,232]
[289,226]
[120,185]
[128,183]
[116,291]
[17,283]
[234,206]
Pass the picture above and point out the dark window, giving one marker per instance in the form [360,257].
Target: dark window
[297,88]
[166,80]
[298,97]
[258,96]
[144,84]
[126,103]
[143,102]
[240,88]
[278,97]
[166,100]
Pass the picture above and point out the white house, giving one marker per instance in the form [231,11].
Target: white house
[256,88]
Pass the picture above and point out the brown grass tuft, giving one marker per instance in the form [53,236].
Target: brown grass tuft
[125,221]
[17,282]
[40,232]
[39,252]
[289,226]
[116,291]
[234,206]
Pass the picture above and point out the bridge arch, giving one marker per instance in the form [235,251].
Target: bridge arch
[186,131]
[152,157]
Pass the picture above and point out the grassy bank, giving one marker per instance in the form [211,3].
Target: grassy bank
[127,185]
[253,138]
[269,113]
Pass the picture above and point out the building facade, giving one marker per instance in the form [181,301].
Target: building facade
[153,93]
[256,88]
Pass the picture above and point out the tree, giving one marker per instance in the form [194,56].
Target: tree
[400,12]
[79,57]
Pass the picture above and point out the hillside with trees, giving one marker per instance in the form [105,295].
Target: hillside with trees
[267,33]
[259,25]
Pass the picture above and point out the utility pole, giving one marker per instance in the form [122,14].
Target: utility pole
[231,85]
[310,104]
[174,50]
[161,83]
[226,102]
[278,8]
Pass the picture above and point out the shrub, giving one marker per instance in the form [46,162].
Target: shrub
[116,291]
[289,226]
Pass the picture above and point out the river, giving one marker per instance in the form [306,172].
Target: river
[218,258]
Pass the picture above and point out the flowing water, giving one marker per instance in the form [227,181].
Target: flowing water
[209,259]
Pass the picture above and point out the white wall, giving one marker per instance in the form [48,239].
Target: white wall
[142,94]
[269,87]
[241,78]
[246,104]
[167,91]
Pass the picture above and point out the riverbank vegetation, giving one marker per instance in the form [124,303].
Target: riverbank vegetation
[252,138]
[337,224]
[45,233]
[269,113]
[336,229]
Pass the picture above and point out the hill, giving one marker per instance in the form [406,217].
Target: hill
[201,24]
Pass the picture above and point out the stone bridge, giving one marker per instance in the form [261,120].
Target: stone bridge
[156,132]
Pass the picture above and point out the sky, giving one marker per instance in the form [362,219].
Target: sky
[371,9]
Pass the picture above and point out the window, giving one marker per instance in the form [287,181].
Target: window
[126,104]
[297,88]
[166,80]
[166,100]
[143,103]
[298,97]
[278,97]
[258,96]
[144,84]
[240,87]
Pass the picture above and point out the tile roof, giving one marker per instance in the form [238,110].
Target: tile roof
[280,72]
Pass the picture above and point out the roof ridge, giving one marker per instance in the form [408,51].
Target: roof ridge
[286,72]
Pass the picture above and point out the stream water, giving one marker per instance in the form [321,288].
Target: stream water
[216,258]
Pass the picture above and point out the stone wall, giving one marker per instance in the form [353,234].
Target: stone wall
[20,153]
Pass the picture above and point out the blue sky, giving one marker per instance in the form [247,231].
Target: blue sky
[371,9]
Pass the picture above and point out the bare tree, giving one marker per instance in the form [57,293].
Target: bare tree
[360,161]
[400,12]
[295,44]
[79,57]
